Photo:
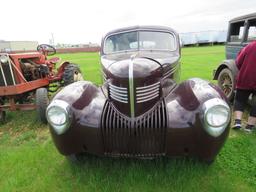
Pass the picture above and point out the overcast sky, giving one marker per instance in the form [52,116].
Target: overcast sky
[83,21]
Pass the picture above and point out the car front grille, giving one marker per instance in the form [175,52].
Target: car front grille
[142,94]
[143,136]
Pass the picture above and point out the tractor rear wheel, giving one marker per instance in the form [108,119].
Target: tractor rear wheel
[42,102]
[72,73]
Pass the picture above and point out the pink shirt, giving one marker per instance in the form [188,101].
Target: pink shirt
[246,63]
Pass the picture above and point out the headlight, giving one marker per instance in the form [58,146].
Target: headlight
[3,59]
[58,115]
[216,116]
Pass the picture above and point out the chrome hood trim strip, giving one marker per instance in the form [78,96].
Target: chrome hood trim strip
[131,87]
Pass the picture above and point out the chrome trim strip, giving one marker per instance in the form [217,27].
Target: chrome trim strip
[131,86]
[148,96]
[147,93]
[172,70]
[119,99]
[148,86]
[121,88]
[118,94]
[150,89]
[117,90]
[141,101]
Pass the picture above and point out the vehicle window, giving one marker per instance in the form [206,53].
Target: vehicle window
[252,30]
[236,32]
[121,42]
[156,41]
[148,40]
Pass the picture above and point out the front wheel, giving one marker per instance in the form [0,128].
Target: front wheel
[227,83]
[72,73]
[2,116]
[42,102]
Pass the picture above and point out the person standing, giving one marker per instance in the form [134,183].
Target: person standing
[245,86]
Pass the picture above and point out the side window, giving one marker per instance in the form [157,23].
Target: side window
[252,31]
[236,32]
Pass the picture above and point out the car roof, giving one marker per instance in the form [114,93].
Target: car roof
[138,27]
[243,17]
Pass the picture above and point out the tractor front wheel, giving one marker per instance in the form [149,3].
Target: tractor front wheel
[42,102]
[72,73]
[2,116]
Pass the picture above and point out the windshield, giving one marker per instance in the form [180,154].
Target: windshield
[142,40]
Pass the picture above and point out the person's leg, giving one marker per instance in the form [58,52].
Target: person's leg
[239,106]
[250,124]
[252,118]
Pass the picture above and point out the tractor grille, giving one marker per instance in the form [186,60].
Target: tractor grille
[6,73]
[140,137]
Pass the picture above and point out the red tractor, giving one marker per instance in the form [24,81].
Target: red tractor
[27,78]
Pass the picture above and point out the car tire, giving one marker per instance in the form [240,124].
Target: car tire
[74,158]
[2,116]
[72,73]
[42,102]
[206,161]
[226,82]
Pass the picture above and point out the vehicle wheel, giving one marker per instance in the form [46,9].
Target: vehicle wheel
[42,102]
[74,158]
[207,161]
[72,73]
[2,116]
[226,83]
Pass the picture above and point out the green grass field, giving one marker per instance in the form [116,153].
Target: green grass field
[30,162]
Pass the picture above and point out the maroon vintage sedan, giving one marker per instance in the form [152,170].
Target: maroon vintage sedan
[141,110]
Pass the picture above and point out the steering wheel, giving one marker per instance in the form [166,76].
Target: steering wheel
[46,49]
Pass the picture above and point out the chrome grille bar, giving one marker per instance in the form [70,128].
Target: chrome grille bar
[147,93]
[148,86]
[119,94]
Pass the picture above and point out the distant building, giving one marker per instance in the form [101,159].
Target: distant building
[188,38]
[203,37]
[7,46]
[77,45]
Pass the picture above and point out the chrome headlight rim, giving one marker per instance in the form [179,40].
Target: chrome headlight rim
[217,104]
[63,106]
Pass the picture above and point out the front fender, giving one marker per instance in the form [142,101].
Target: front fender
[185,121]
[87,102]
[186,100]
[230,64]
